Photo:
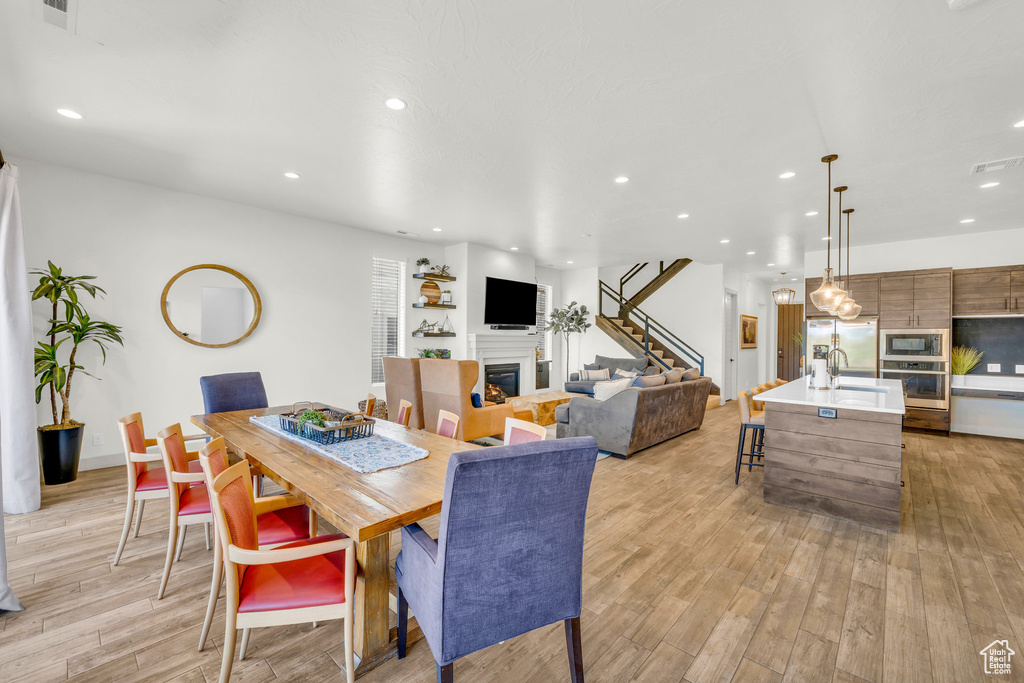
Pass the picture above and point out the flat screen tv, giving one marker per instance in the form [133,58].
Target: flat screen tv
[507,302]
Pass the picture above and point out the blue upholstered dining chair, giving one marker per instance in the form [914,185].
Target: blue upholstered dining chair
[509,555]
[233,391]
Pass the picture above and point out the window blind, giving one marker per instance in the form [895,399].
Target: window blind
[388,326]
[543,312]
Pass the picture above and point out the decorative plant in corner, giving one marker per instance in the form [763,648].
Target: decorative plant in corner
[569,321]
[962,360]
[60,443]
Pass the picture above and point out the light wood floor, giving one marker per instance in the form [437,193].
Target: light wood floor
[686,577]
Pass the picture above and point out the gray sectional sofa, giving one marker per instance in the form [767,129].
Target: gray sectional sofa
[636,418]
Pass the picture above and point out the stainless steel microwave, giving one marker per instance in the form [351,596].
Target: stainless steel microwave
[923,345]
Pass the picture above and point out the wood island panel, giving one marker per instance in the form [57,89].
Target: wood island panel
[847,467]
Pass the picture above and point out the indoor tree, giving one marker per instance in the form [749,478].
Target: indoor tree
[76,326]
[568,321]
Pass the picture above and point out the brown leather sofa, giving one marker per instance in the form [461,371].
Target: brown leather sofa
[448,385]
[402,381]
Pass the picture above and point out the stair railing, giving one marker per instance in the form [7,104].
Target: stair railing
[638,316]
[630,275]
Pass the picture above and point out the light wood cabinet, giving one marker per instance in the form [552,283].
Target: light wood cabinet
[913,299]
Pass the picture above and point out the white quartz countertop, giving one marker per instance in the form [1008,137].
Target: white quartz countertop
[853,393]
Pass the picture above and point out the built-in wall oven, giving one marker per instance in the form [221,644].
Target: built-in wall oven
[919,359]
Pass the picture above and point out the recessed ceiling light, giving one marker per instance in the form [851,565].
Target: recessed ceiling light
[586,234]
[569,262]
[988,185]
[437,229]
[514,248]
[622,179]
[811,213]
[751,253]
[683,215]
[787,175]
[292,175]
[967,220]
[395,103]
[770,265]
[724,241]
[794,279]
[69,113]
[1019,124]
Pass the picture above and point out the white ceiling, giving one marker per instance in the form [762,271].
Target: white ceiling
[522,113]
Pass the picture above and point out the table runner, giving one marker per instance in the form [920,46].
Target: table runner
[367,455]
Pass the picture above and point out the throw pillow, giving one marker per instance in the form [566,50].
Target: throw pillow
[673,376]
[598,375]
[690,374]
[591,366]
[605,390]
[626,373]
[477,401]
[649,381]
[652,370]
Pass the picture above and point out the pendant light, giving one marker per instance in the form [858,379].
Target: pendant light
[849,309]
[839,294]
[783,295]
[822,297]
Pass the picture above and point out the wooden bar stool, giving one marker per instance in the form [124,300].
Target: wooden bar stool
[752,420]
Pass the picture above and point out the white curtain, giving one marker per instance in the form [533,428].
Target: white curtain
[19,459]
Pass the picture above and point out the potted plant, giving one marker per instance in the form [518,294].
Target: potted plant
[963,360]
[424,263]
[446,296]
[568,321]
[60,443]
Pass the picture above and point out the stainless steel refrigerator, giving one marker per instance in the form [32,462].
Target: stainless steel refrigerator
[859,338]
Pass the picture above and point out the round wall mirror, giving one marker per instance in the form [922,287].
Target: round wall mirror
[210,305]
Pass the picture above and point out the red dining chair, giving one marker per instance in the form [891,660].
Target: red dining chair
[305,581]
[143,484]
[279,519]
[404,412]
[189,499]
[447,424]
[521,431]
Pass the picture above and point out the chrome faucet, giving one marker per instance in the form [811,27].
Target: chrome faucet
[832,374]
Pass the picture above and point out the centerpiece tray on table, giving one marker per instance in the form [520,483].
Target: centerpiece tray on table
[326,426]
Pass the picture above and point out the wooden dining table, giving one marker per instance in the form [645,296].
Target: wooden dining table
[366,507]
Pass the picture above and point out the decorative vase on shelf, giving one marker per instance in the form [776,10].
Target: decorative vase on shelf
[446,298]
[423,299]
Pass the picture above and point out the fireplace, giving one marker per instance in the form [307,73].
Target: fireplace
[501,381]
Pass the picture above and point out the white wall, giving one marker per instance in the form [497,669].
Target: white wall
[313,342]
[976,250]
[581,286]
[754,298]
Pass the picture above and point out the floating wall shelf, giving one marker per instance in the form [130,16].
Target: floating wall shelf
[421,335]
[444,307]
[433,276]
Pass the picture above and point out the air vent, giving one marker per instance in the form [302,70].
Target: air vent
[406,233]
[61,13]
[1001,165]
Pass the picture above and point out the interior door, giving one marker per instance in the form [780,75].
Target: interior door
[791,323]
[730,347]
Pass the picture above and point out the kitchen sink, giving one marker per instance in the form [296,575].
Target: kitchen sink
[855,387]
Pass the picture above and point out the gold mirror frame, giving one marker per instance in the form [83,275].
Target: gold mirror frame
[213,266]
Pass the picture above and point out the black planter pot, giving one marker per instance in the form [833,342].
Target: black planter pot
[59,452]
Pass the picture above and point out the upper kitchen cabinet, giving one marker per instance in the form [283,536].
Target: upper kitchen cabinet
[920,299]
[988,291]
[863,287]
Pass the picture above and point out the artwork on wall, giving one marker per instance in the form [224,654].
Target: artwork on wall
[748,332]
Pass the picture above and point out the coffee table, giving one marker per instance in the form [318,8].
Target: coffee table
[542,405]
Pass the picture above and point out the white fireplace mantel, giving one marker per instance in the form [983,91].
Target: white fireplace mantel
[491,349]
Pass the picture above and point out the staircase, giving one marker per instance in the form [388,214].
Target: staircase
[638,333]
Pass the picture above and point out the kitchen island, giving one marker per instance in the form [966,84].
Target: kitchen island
[836,452]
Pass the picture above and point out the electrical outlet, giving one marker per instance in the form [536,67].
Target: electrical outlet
[1020,369]
[97,439]
[994,367]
